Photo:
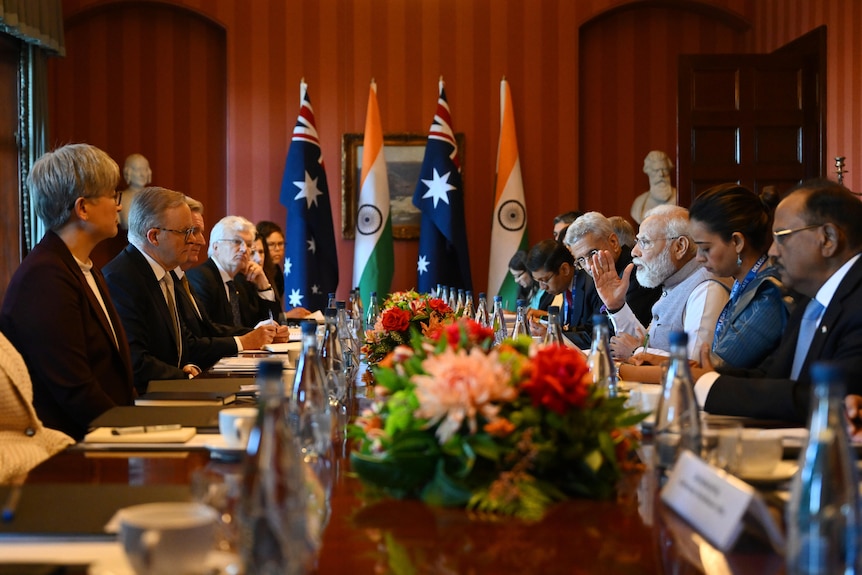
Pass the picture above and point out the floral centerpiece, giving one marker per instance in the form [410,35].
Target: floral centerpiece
[505,430]
[400,313]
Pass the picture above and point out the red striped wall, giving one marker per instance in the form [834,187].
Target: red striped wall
[339,45]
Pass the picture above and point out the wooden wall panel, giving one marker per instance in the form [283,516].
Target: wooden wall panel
[10,204]
[628,66]
[339,45]
[147,78]
[778,22]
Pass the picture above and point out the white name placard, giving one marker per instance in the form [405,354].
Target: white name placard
[714,502]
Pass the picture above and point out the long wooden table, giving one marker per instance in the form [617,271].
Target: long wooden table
[634,534]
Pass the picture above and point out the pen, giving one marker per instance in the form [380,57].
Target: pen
[145,429]
[11,503]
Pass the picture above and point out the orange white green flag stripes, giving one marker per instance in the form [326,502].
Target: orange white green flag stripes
[509,228]
[373,261]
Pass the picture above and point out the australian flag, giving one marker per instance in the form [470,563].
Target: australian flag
[443,255]
[310,257]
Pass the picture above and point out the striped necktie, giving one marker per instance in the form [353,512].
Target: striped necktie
[168,289]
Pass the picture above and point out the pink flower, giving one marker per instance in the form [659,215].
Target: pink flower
[458,387]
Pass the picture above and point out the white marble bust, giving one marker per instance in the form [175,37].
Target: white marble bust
[137,173]
[657,167]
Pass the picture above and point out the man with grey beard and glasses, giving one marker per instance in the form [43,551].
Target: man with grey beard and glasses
[691,298]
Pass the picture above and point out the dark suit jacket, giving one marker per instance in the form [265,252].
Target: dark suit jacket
[639,298]
[52,317]
[209,289]
[586,303]
[144,312]
[202,327]
[767,392]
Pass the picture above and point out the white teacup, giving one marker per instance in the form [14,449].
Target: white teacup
[644,397]
[759,452]
[167,538]
[235,425]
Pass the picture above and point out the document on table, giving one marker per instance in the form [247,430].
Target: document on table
[241,364]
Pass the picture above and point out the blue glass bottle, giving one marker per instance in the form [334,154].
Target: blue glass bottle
[823,513]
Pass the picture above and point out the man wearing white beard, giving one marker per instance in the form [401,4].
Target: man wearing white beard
[657,167]
[691,299]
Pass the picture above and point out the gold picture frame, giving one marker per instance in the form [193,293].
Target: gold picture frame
[404,154]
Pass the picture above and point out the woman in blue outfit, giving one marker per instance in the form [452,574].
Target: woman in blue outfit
[732,228]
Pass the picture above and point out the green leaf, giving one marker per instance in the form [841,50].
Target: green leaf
[406,472]
[445,491]
[593,460]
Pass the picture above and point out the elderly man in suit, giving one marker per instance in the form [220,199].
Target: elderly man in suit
[691,299]
[57,310]
[194,314]
[232,288]
[554,268]
[818,241]
[160,232]
[593,233]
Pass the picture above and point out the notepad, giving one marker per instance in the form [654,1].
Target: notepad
[199,397]
[104,435]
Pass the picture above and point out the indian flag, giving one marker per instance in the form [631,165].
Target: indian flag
[373,261]
[509,228]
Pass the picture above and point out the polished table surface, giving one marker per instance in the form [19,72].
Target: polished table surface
[633,534]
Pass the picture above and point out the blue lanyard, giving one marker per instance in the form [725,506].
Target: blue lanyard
[735,292]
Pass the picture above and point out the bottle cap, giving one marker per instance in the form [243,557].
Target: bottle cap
[498,298]
[827,372]
[308,327]
[330,312]
[270,367]
[599,319]
[520,303]
[554,309]
[374,294]
[340,304]
[331,294]
[678,338]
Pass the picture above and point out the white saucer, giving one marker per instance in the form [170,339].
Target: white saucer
[783,471]
[219,562]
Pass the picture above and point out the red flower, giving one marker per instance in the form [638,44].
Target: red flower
[476,334]
[439,306]
[395,319]
[559,379]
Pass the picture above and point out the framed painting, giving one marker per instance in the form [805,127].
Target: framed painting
[404,154]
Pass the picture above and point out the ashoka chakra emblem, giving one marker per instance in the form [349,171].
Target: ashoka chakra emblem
[512,215]
[368,220]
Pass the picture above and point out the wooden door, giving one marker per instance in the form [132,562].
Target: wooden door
[755,119]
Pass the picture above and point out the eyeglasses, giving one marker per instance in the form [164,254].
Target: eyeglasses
[275,245]
[116,196]
[545,280]
[188,232]
[582,262]
[645,243]
[781,234]
[238,243]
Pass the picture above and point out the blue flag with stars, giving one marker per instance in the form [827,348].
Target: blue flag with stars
[310,256]
[443,254]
